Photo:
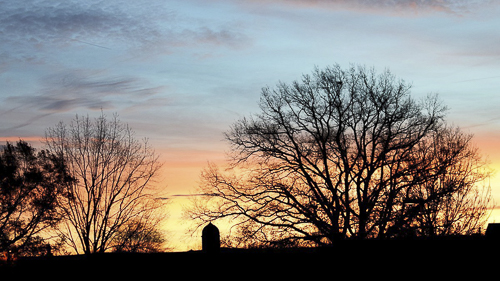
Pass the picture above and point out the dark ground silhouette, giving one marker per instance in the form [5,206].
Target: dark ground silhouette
[367,257]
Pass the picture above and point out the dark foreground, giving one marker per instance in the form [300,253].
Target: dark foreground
[403,259]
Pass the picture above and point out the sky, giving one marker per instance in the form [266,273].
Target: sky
[181,72]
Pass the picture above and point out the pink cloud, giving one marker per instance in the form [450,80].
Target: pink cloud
[392,7]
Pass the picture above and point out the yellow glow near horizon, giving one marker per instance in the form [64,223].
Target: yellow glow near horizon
[180,176]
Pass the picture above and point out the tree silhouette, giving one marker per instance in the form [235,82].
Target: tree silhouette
[31,187]
[141,234]
[112,170]
[345,153]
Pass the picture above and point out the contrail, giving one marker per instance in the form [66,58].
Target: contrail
[27,123]
[476,79]
[95,45]
[189,195]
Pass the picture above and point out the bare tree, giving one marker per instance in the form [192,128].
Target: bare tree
[337,155]
[112,170]
[454,198]
[142,234]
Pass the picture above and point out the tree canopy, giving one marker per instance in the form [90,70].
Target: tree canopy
[346,153]
[31,187]
[112,171]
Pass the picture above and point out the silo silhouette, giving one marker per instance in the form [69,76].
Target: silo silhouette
[210,239]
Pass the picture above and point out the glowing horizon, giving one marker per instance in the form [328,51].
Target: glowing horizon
[179,178]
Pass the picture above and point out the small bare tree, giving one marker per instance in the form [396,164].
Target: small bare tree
[344,153]
[143,233]
[112,170]
[454,198]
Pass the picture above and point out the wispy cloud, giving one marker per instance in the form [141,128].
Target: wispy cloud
[142,25]
[47,21]
[93,55]
[91,90]
[394,7]
[66,93]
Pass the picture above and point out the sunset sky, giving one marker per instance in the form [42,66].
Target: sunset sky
[181,72]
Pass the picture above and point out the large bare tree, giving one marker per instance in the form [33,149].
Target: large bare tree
[112,171]
[344,153]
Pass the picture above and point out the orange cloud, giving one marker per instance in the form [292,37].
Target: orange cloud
[34,140]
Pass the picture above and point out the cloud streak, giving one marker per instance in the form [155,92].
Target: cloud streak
[394,7]
[142,25]
[62,92]
[44,21]
[73,91]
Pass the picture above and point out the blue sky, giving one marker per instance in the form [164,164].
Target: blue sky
[180,72]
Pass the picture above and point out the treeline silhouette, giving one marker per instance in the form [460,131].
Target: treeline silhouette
[342,167]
